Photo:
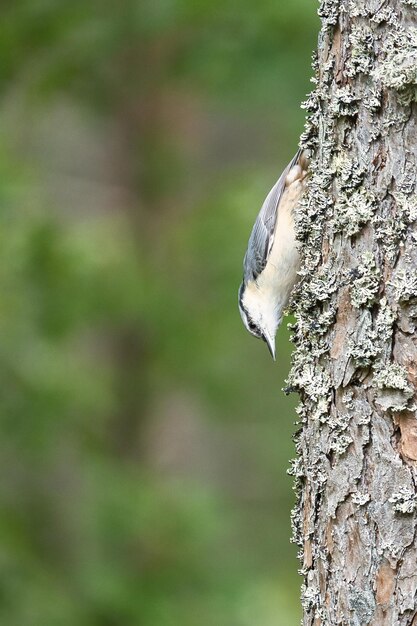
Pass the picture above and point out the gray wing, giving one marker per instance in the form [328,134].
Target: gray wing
[262,235]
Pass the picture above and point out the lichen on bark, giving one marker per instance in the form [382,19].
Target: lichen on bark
[355,362]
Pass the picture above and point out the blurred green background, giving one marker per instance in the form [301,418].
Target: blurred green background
[144,436]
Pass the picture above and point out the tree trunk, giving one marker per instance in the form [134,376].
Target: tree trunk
[355,364]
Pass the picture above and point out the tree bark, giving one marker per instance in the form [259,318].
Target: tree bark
[355,363]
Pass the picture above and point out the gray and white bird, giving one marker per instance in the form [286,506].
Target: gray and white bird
[272,259]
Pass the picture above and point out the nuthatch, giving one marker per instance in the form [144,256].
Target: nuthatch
[272,260]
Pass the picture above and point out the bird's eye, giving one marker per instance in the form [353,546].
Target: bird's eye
[253,327]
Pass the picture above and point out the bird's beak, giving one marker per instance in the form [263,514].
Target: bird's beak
[270,342]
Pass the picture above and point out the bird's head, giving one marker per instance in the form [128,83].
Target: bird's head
[258,314]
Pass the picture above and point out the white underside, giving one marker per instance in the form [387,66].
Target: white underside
[267,297]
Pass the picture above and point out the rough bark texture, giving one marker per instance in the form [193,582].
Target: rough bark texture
[355,364]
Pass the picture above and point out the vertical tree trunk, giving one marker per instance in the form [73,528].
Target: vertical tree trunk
[355,363]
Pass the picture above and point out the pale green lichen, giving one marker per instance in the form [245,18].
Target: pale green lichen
[364,351]
[404,501]
[372,99]
[391,230]
[310,597]
[347,398]
[339,439]
[406,204]
[339,421]
[384,321]
[296,522]
[313,331]
[353,211]
[398,70]
[360,498]
[340,443]
[319,412]
[366,281]
[322,285]
[329,12]
[323,321]
[311,214]
[357,9]
[387,15]
[344,102]
[321,615]
[372,336]
[315,382]
[349,172]
[392,376]
[361,41]
[395,391]
[404,283]
[296,468]
[393,400]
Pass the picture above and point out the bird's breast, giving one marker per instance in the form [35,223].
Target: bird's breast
[280,273]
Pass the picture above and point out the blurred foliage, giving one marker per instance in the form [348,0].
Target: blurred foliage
[144,437]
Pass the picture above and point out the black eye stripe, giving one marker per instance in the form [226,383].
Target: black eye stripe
[249,323]
[254,329]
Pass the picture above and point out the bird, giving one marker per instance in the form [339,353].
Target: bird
[272,259]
